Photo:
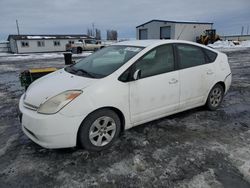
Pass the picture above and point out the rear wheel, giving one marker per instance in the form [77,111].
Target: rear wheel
[215,97]
[79,50]
[99,130]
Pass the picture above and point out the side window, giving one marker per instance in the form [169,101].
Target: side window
[90,41]
[190,56]
[24,44]
[211,55]
[40,43]
[159,60]
[57,43]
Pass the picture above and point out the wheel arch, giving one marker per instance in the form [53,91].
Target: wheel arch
[116,110]
[219,82]
[222,84]
[79,48]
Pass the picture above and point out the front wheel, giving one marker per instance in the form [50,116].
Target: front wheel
[99,130]
[215,97]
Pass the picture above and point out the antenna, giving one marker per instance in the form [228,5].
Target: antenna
[17,26]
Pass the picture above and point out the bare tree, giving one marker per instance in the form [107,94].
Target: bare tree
[90,32]
[94,33]
[98,34]
[112,35]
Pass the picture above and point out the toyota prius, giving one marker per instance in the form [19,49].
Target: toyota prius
[121,86]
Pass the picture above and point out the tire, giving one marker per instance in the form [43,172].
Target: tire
[79,50]
[99,130]
[215,97]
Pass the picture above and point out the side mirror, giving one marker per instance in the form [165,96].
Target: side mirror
[137,74]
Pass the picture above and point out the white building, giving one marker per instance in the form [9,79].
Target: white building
[41,43]
[164,29]
[4,46]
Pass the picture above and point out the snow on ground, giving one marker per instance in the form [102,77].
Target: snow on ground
[229,45]
[9,56]
[196,148]
[4,54]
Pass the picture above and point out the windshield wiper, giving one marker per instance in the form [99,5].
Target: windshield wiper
[70,69]
[84,72]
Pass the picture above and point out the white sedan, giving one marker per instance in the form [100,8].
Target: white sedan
[126,84]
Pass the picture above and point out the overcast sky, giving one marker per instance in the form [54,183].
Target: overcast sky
[75,16]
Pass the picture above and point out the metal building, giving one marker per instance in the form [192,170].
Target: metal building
[41,43]
[164,29]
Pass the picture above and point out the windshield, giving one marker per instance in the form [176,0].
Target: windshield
[103,62]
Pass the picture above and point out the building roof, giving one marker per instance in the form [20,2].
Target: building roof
[46,37]
[180,22]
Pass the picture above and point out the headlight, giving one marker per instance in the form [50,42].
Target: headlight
[56,103]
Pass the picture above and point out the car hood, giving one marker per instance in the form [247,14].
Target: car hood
[53,84]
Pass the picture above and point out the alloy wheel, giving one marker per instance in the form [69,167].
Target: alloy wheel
[216,97]
[102,131]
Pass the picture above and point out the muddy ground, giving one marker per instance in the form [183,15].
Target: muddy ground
[196,148]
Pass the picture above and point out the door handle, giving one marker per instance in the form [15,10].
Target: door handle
[173,81]
[209,72]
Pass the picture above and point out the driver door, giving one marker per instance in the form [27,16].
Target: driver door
[156,92]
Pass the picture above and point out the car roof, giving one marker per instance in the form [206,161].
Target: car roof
[147,43]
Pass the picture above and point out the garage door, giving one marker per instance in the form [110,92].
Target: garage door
[143,34]
[165,32]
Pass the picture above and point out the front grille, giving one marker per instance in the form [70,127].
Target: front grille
[30,106]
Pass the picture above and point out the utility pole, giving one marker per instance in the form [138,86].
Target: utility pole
[242,30]
[17,26]
[247,29]
[93,27]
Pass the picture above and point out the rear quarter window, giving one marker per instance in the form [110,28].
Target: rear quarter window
[211,56]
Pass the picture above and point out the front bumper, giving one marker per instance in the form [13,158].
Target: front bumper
[50,131]
[228,81]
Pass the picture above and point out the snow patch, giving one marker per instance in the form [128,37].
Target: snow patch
[229,45]
[160,154]
[222,44]
[8,144]
[204,180]
[40,37]
[241,157]
[5,54]
[2,94]
[15,57]
[8,68]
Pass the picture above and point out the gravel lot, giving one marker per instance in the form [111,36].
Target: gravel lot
[196,148]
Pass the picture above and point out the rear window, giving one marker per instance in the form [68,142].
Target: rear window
[210,55]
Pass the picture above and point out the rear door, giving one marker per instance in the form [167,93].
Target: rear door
[156,92]
[196,75]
